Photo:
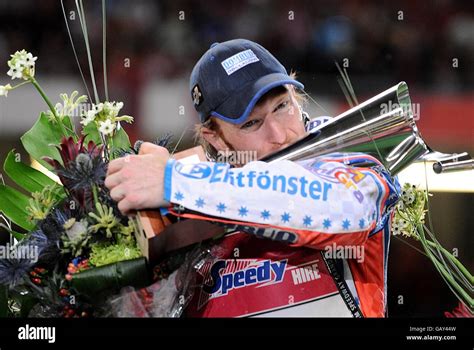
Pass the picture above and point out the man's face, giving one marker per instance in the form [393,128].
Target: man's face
[274,123]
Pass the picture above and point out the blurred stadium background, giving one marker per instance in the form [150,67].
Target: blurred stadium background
[153,45]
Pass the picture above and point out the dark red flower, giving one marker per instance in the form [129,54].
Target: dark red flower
[69,150]
[79,174]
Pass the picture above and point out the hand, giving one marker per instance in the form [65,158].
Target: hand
[137,181]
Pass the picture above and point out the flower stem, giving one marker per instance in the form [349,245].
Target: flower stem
[450,267]
[448,278]
[451,281]
[106,146]
[460,271]
[17,86]
[94,193]
[111,142]
[45,98]
[50,105]
[453,259]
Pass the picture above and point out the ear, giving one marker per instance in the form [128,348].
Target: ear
[214,138]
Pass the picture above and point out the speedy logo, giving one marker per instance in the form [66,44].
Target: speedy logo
[254,273]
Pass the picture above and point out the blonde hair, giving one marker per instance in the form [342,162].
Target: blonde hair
[211,124]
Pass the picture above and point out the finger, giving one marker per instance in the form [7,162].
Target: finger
[115,165]
[148,147]
[125,207]
[113,180]
[117,193]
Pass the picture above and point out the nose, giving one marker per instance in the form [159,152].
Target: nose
[277,131]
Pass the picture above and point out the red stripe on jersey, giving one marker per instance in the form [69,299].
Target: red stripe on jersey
[368,277]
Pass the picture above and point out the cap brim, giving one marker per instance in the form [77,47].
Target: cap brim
[231,110]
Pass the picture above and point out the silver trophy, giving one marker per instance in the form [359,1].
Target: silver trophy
[384,127]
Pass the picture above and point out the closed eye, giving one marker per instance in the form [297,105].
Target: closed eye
[250,124]
[281,106]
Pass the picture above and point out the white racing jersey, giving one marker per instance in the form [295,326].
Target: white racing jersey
[310,238]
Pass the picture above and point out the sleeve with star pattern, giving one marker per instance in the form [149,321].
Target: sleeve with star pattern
[320,201]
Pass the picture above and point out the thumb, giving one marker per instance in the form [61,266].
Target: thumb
[151,148]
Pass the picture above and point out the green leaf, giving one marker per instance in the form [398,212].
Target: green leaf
[41,139]
[25,176]
[120,139]
[18,236]
[92,134]
[98,282]
[13,204]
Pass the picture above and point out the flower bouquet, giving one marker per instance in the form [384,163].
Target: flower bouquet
[409,222]
[74,248]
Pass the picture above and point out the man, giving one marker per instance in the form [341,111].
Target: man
[310,238]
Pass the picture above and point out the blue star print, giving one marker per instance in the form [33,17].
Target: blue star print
[285,217]
[307,220]
[178,196]
[361,223]
[221,207]
[200,203]
[243,211]
[265,214]
[326,223]
[345,224]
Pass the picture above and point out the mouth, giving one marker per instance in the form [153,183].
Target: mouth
[276,149]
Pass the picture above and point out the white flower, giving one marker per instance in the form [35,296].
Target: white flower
[409,195]
[22,65]
[4,89]
[396,229]
[98,108]
[105,115]
[106,127]
[29,59]
[59,109]
[114,108]
[398,226]
[71,103]
[16,72]
[124,118]
[89,117]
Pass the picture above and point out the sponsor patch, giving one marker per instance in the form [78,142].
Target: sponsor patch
[238,61]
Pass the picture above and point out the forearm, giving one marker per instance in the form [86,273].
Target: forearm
[282,194]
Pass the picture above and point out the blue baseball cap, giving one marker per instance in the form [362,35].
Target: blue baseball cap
[232,76]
